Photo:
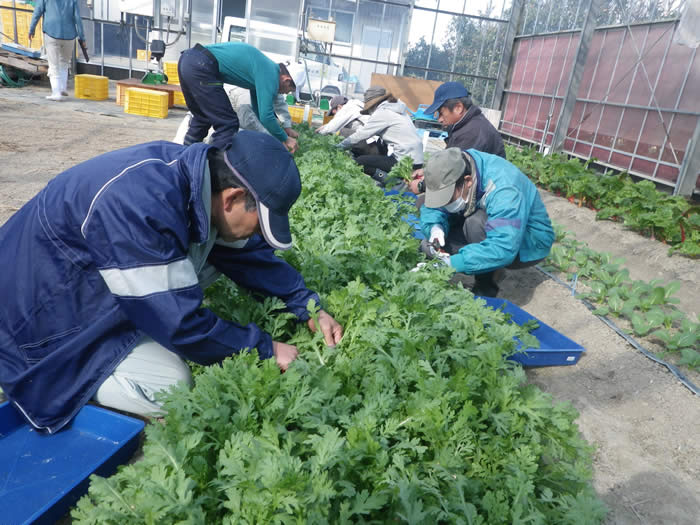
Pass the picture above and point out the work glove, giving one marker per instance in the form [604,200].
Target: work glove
[431,252]
[437,234]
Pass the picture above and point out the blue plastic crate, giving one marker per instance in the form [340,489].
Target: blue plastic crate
[42,476]
[420,114]
[21,50]
[409,218]
[555,348]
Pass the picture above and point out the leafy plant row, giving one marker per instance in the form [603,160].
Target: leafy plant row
[415,417]
[648,306]
[639,205]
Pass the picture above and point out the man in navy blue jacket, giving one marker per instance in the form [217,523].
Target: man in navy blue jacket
[104,273]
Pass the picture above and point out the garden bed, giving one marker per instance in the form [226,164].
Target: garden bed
[642,422]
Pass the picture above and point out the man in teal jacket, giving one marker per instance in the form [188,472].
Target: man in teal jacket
[481,213]
[203,71]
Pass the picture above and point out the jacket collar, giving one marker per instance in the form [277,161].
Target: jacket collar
[472,112]
[193,166]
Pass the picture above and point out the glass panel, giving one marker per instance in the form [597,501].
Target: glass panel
[690,98]
[419,37]
[269,11]
[202,16]
[455,6]
[681,132]
[629,130]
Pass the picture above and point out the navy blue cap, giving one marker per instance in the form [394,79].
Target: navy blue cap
[268,171]
[444,93]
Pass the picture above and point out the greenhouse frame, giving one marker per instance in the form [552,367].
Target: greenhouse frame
[614,81]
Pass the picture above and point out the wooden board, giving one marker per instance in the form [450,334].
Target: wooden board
[35,66]
[171,89]
[412,91]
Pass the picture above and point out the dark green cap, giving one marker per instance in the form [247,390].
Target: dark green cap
[442,171]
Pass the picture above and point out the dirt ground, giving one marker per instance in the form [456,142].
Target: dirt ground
[644,424]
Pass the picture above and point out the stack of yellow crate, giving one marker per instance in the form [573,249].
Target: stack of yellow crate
[297,114]
[146,102]
[170,70]
[24,18]
[91,87]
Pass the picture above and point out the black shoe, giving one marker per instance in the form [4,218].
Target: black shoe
[379,177]
[484,285]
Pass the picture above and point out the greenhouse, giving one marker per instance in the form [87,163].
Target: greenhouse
[350,261]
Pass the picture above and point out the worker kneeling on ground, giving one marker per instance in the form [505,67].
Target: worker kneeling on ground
[105,270]
[467,127]
[390,121]
[482,214]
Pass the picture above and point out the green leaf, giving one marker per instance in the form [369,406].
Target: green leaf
[602,311]
[690,357]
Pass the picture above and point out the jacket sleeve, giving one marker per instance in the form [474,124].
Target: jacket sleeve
[248,119]
[142,257]
[429,217]
[507,217]
[374,126]
[262,99]
[339,120]
[39,9]
[282,111]
[78,21]
[256,267]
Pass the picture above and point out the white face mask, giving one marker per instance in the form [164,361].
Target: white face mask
[456,205]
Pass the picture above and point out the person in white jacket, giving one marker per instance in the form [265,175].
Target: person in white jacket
[240,101]
[389,120]
[347,117]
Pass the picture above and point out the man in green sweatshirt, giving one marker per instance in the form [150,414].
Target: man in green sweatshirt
[203,71]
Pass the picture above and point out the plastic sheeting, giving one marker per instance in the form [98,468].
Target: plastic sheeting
[688,32]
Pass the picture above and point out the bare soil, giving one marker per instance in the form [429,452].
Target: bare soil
[643,423]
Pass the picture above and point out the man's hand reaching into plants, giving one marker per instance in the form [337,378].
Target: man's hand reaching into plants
[416,178]
[437,234]
[330,328]
[432,252]
[284,354]
[290,144]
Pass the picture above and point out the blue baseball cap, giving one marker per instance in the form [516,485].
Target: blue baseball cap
[268,171]
[444,93]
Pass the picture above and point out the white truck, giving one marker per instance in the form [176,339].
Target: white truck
[322,76]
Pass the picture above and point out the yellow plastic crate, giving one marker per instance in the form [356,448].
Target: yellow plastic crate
[179,98]
[24,17]
[91,87]
[170,69]
[146,102]
[297,114]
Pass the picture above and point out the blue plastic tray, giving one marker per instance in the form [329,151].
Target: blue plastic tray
[21,50]
[555,348]
[410,218]
[42,476]
[420,114]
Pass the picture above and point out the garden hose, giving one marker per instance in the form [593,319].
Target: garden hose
[679,375]
[6,81]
